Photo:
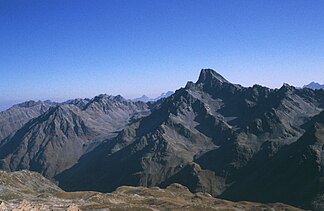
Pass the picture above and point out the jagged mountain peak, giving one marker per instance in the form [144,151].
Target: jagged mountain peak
[207,75]
[60,110]
[106,97]
[119,98]
[102,96]
[79,102]
[213,83]
[286,89]
[287,86]
[29,103]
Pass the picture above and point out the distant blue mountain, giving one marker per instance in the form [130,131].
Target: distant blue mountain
[314,86]
[164,95]
[145,98]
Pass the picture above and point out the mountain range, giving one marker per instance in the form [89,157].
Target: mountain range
[233,142]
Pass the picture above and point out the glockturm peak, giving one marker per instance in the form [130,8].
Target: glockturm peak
[208,75]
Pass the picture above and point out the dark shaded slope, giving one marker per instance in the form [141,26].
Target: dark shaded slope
[291,174]
[197,179]
[280,122]
[145,153]
[258,118]
[212,122]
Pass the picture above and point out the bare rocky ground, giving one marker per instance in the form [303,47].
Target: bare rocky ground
[25,190]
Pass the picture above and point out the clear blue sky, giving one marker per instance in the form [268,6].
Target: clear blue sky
[60,49]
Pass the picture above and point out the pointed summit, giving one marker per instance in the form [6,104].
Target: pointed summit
[29,104]
[314,85]
[119,98]
[208,75]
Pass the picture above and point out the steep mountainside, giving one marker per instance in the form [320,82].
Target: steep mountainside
[56,139]
[26,190]
[293,175]
[204,136]
[16,116]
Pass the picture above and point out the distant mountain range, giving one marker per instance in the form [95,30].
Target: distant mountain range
[146,99]
[314,86]
[234,142]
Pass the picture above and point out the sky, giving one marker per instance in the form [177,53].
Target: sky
[63,49]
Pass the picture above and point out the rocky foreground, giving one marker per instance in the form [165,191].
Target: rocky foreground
[25,190]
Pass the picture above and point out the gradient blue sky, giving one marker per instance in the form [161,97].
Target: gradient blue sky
[61,49]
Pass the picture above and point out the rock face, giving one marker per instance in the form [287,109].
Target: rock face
[292,175]
[18,115]
[238,143]
[30,191]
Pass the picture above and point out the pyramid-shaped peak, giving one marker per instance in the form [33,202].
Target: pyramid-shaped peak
[286,87]
[207,75]
[118,98]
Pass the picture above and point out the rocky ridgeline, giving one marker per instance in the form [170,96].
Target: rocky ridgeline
[30,191]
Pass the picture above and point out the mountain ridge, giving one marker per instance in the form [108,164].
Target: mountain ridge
[208,109]
[204,136]
[56,139]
